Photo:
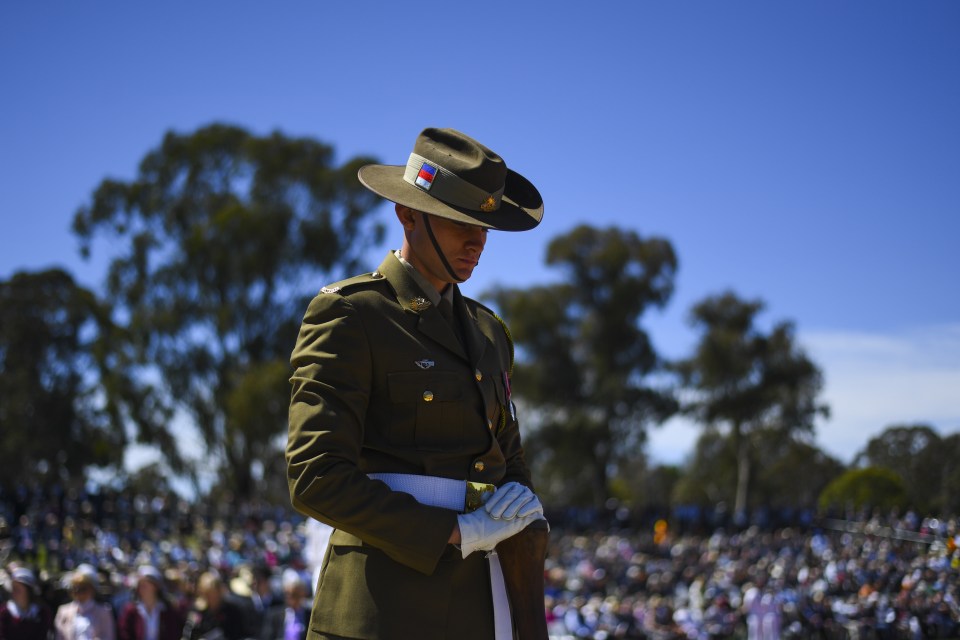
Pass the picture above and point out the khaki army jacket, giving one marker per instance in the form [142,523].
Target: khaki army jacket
[382,384]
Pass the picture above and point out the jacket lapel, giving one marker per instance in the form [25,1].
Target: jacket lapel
[412,299]
[475,339]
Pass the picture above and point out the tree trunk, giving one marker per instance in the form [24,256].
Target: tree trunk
[743,473]
[600,493]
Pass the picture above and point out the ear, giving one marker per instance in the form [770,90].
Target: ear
[406,216]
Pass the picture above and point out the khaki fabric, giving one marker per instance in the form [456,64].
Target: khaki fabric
[382,384]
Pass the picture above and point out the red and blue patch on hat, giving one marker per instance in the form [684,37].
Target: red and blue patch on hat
[425,177]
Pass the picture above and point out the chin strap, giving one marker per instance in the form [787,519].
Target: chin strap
[436,247]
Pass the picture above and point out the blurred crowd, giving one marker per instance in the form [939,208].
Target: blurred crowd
[871,578]
[113,565]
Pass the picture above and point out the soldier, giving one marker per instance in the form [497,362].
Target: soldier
[401,418]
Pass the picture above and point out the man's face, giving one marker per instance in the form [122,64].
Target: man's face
[461,244]
[293,595]
[146,590]
[82,592]
[20,594]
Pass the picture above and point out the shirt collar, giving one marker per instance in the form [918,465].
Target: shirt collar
[157,608]
[428,289]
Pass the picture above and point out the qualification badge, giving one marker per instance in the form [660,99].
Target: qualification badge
[419,303]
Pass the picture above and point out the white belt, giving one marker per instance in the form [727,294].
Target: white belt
[456,495]
[459,496]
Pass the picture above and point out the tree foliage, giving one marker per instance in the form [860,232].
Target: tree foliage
[791,472]
[870,487]
[54,419]
[214,249]
[710,475]
[949,497]
[748,380]
[926,462]
[787,472]
[585,363]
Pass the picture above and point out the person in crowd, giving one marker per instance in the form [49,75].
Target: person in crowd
[25,616]
[151,616]
[251,589]
[603,580]
[288,621]
[263,595]
[213,616]
[83,618]
[175,591]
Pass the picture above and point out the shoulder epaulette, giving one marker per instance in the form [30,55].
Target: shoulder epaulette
[344,286]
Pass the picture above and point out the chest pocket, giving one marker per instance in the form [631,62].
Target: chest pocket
[437,402]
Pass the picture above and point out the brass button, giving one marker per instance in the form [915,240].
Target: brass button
[428,396]
[479,466]
[478,375]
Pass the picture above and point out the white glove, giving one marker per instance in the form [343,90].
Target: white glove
[479,531]
[513,500]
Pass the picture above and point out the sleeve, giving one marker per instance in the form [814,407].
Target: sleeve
[124,624]
[47,616]
[268,626]
[109,626]
[171,621]
[331,388]
[510,444]
[59,623]
[508,438]
[508,435]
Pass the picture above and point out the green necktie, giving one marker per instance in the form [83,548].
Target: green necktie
[446,310]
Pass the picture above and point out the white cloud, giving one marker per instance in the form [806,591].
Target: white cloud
[875,380]
[872,381]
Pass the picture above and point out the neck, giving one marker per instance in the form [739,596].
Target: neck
[407,254]
[413,262]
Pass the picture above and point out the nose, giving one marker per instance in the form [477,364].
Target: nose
[476,236]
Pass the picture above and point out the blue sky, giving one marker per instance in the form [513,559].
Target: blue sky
[806,153]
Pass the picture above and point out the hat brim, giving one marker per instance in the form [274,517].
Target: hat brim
[521,207]
[156,580]
[30,583]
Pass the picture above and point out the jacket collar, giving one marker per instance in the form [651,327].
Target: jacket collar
[414,300]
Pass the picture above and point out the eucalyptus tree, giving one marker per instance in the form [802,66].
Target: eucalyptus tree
[921,457]
[55,419]
[748,381]
[586,368]
[789,472]
[867,487]
[214,248]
